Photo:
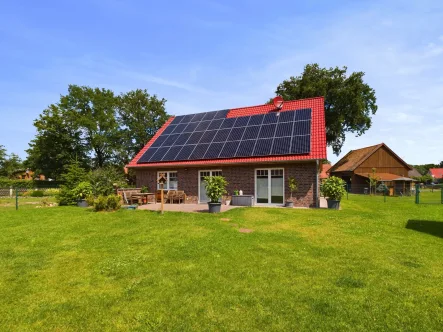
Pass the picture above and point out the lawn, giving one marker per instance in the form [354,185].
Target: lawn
[373,266]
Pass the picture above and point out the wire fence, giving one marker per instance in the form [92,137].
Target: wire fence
[417,193]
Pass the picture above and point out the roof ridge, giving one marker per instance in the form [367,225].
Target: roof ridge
[285,101]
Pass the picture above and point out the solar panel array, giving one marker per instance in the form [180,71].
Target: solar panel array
[212,136]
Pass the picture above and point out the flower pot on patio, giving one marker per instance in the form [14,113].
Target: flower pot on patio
[214,207]
[289,204]
[333,204]
[82,203]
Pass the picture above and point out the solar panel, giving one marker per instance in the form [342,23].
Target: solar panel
[211,135]
[229,149]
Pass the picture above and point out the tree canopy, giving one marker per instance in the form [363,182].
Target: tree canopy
[95,127]
[349,101]
[9,163]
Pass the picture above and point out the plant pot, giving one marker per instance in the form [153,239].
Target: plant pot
[333,204]
[214,207]
[289,204]
[82,203]
[227,202]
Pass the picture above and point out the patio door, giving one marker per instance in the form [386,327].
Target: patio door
[202,198]
[269,186]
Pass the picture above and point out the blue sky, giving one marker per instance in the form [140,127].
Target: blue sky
[209,55]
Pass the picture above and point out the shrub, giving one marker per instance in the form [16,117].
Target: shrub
[51,192]
[105,180]
[215,187]
[114,202]
[82,190]
[66,197]
[334,188]
[36,193]
[107,203]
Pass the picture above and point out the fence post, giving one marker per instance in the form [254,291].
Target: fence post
[347,190]
[10,191]
[417,193]
[384,195]
[16,199]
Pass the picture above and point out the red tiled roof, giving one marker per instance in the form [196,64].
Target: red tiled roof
[436,173]
[318,136]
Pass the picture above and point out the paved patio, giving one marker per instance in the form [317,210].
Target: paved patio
[204,207]
[184,207]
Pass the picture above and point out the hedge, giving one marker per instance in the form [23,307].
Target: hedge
[28,184]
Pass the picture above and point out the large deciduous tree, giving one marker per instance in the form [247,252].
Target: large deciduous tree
[56,144]
[94,127]
[140,116]
[349,101]
[92,111]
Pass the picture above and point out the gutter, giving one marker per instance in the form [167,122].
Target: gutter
[317,200]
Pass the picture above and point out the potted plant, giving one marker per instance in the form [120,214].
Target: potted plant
[333,189]
[293,187]
[215,189]
[236,192]
[82,192]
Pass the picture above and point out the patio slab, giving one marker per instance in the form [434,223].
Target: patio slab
[184,207]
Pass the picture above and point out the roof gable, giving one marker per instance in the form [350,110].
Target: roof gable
[317,134]
[354,158]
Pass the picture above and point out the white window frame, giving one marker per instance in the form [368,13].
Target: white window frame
[168,175]
[269,181]
[199,180]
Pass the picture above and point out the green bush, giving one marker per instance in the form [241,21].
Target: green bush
[215,187]
[105,180]
[114,202]
[51,192]
[36,193]
[107,203]
[82,190]
[333,188]
[66,197]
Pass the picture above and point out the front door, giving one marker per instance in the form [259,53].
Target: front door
[202,198]
[269,186]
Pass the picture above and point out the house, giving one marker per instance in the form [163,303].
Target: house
[255,148]
[27,175]
[378,161]
[414,173]
[324,174]
[436,173]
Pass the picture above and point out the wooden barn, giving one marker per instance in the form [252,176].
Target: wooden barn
[377,161]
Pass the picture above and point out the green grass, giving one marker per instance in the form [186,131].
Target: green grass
[373,266]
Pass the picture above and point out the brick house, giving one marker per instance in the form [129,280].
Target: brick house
[255,148]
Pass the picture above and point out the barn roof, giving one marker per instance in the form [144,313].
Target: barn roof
[355,158]
[291,148]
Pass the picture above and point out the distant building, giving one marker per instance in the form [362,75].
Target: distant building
[357,166]
[436,173]
[325,171]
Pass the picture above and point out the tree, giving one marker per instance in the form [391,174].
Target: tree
[349,102]
[57,143]
[93,113]
[9,164]
[140,116]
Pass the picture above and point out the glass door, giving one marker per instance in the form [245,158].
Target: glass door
[262,182]
[269,186]
[201,183]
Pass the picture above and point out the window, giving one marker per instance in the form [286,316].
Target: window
[172,180]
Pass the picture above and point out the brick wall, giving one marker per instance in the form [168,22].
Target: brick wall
[240,177]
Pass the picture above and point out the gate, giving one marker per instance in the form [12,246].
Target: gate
[428,195]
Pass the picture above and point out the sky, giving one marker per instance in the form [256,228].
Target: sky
[205,55]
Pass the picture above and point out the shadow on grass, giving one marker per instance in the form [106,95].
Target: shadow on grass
[426,226]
